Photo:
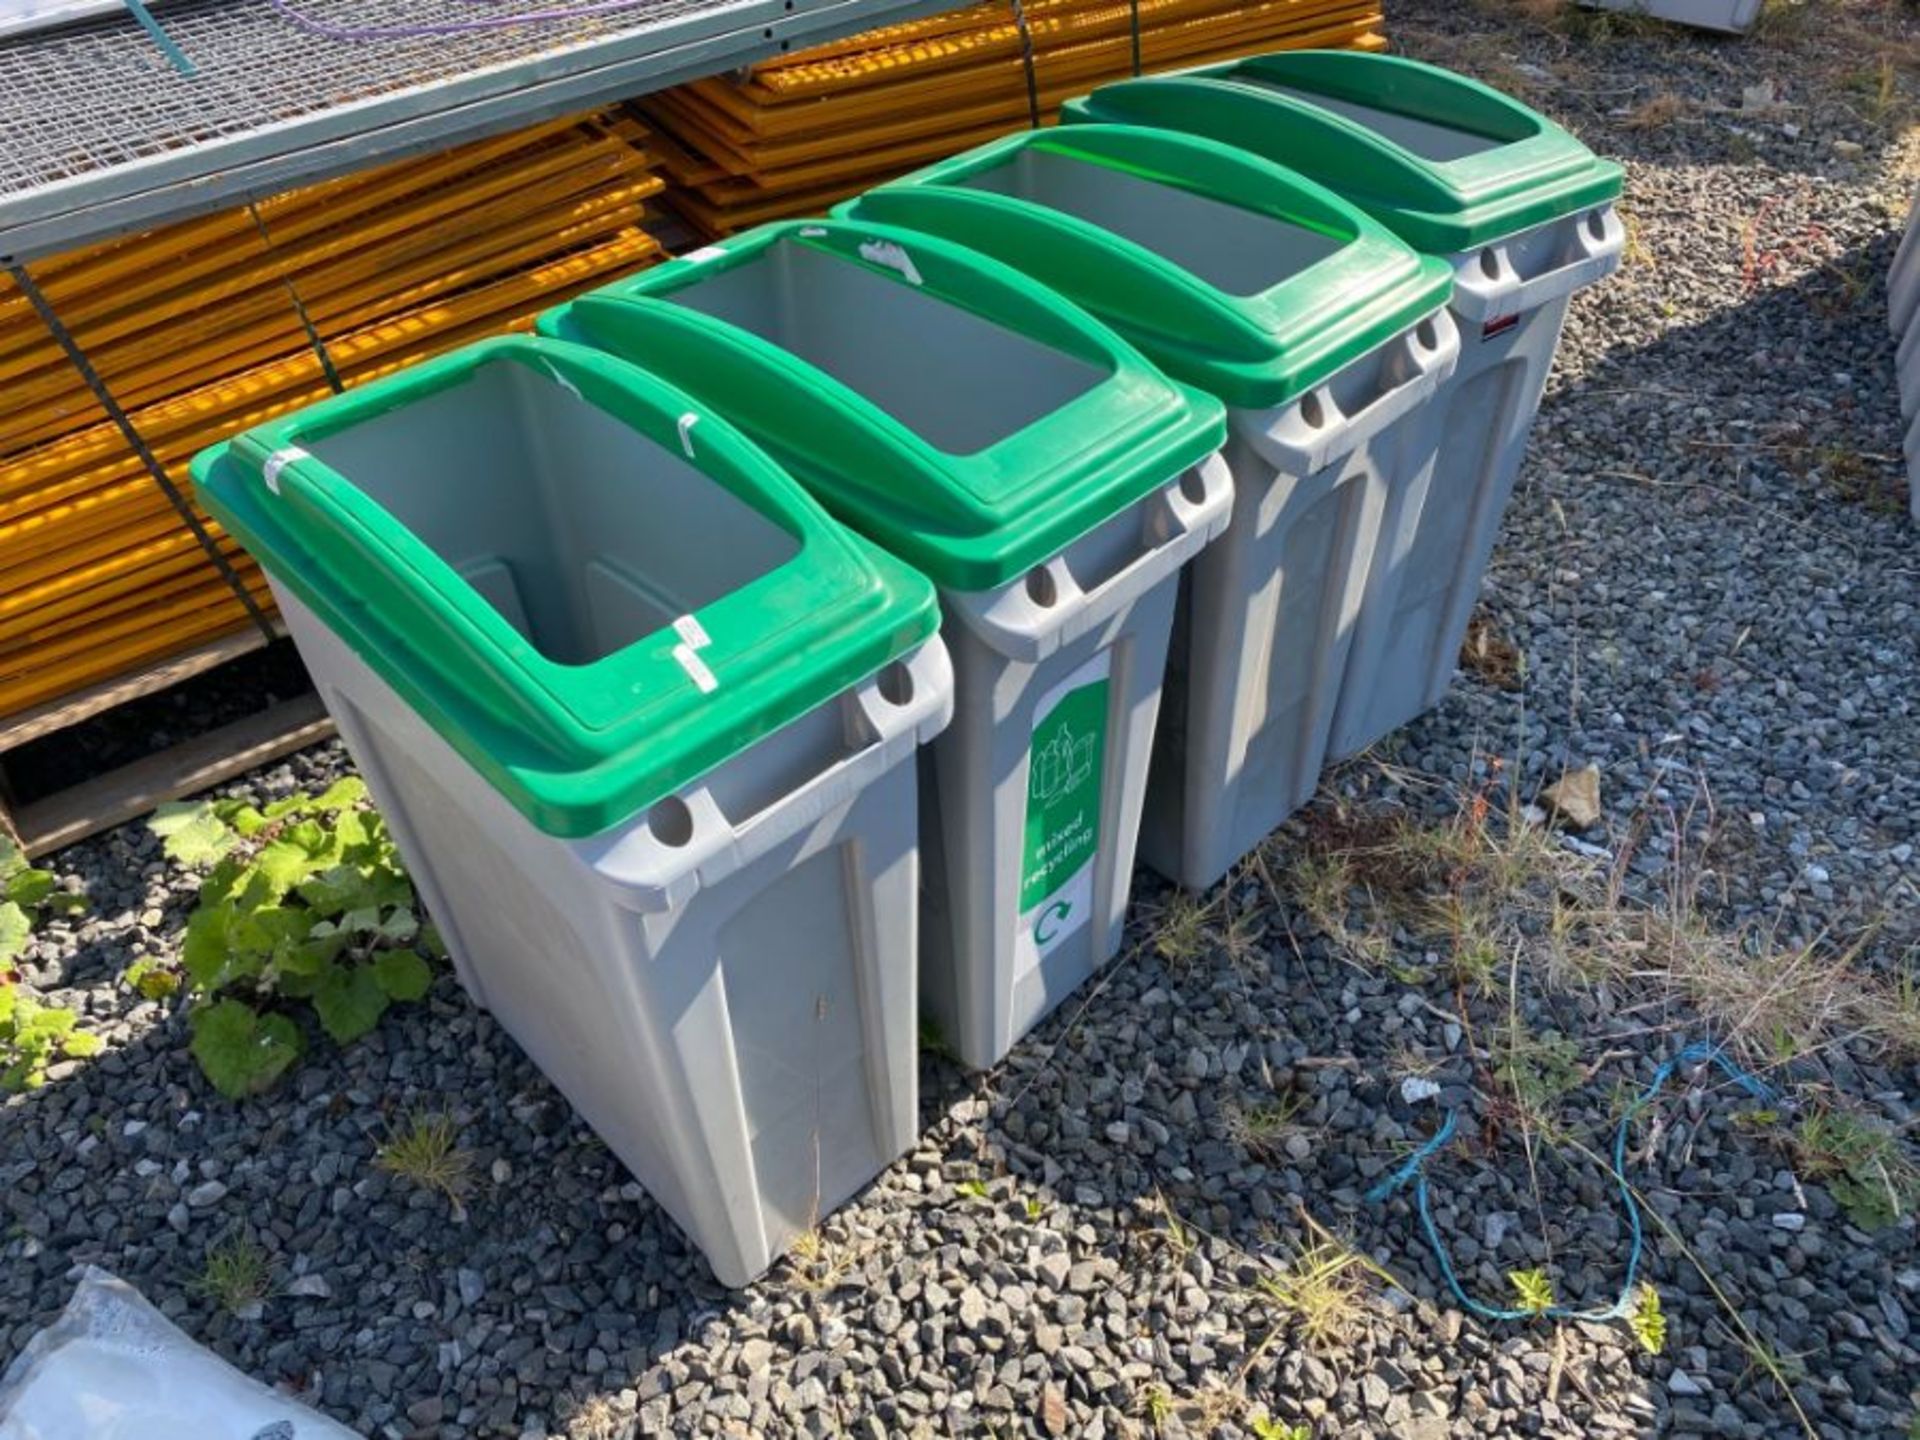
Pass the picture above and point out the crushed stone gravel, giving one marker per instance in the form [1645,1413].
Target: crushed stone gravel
[1709,584]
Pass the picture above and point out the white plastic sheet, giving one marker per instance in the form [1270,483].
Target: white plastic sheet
[114,1368]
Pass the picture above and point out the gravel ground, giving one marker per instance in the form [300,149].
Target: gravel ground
[1708,581]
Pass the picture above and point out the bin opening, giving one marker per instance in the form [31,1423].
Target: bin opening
[959,382]
[1234,249]
[1429,139]
[584,534]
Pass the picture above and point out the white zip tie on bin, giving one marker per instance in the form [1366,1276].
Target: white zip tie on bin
[278,461]
[562,381]
[894,257]
[696,669]
[687,422]
[693,632]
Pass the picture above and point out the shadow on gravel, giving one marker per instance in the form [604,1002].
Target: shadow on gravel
[1836,87]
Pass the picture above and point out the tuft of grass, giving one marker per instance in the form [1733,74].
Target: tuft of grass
[1265,1427]
[1321,1289]
[1661,110]
[1155,1404]
[819,1262]
[1862,1164]
[1262,1129]
[426,1153]
[1782,22]
[1876,483]
[1538,1069]
[1180,931]
[1489,654]
[594,1418]
[236,1274]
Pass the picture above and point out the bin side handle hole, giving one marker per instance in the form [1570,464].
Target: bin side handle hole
[1042,589]
[895,684]
[670,821]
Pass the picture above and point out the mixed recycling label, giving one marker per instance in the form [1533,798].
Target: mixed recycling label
[1065,767]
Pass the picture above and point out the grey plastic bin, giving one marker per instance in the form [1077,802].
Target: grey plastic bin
[1325,336]
[1048,479]
[642,721]
[1524,215]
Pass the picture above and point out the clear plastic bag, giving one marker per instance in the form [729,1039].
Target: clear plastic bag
[114,1368]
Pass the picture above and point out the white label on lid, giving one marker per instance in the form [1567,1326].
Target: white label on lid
[704,254]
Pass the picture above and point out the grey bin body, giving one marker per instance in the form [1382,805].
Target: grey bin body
[990,972]
[1266,613]
[727,998]
[1270,611]
[1903,317]
[1731,16]
[735,1023]
[1510,304]
[1099,611]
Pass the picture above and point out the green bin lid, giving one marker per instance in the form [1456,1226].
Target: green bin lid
[962,415]
[1229,272]
[575,747]
[1445,162]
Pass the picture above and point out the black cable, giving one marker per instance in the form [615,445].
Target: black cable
[140,448]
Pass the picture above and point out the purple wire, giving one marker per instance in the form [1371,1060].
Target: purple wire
[460,27]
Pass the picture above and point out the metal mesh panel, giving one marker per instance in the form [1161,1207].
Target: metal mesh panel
[88,97]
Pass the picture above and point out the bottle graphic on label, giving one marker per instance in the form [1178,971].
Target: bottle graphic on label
[1062,833]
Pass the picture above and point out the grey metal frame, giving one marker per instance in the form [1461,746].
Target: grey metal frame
[103,137]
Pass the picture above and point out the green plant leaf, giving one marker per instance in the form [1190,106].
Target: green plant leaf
[81,1044]
[240,1051]
[1533,1288]
[63,902]
[205,951]
[349,1002]
[291,805]
[152,979]
[15,927]
[43,1023]
[283,865]
[343,794]
[190,832]
[343,888]
[242,817]
[30,887]
[433,942]
[400,926]
[1648,1323]
[12,858]
[402,974]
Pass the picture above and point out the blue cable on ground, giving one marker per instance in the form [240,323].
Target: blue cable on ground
[1415,1170]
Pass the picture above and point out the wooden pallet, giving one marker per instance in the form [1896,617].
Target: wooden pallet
[194,764]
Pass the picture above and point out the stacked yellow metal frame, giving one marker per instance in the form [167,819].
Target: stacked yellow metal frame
[195,330]
[795,135]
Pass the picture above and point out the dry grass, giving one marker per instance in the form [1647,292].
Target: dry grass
[1489,654]
[1661,110]
[1322,1291]
[1506,903]
[1262,1130]
[819,1261]
[427,1153]
[594,1418]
